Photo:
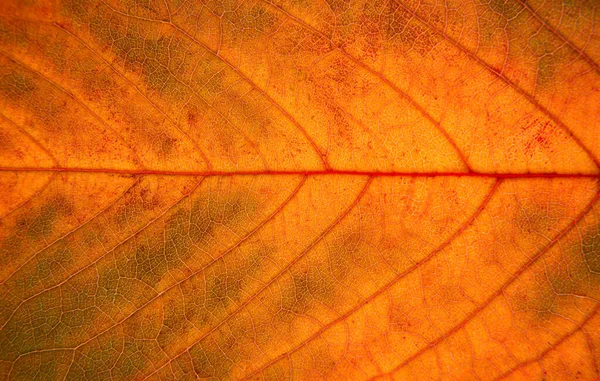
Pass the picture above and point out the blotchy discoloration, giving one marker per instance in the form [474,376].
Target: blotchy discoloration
[568,274]
[124,282]
[53,117]
[54,213]
[16,85]
[434,43]
[183,76]
[328,189]
[89,76]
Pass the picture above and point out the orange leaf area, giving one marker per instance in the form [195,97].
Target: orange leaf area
[299,189]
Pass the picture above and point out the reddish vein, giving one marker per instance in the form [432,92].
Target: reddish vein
[374,173]
[514,277]
[278,275]
[498,74]
[386,287]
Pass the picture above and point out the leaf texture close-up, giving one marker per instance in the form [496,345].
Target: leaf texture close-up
[299,190]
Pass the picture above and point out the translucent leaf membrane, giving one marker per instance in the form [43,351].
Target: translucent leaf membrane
[307,190]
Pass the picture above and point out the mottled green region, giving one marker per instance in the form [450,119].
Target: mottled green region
[250,23]
[129,279]
[344,252]
[214,358]
[48,269]
[399,27]
[77,10]
[544,302]
[153,57]
[181,369]
[304,289]
[22,90]
[56,262]
[163,60]
[338,6]
[156,59]
[550,54]
[546,70]
[184,231]
[175,322]
[33,226]
[64,316]
[33,325]
[219,7]
[579,272]
[10,248]
[324,363]
[540,44]
[534,220]
[54,49]
[222,288]
[149,7]
[164,145]
[160,61]
[108,292]
[61,316]
[150,261]
[590,246]
[15,85]
[115,356]
[508,9]
[12,33]
[51,365]
[43,222]
[209,301]
[379,9]
[95,83]
[573,272]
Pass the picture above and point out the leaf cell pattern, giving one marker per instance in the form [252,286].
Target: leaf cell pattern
[299,189]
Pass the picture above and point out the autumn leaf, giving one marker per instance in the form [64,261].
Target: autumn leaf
[302,189]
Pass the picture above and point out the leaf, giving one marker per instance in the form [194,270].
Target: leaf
[306,189]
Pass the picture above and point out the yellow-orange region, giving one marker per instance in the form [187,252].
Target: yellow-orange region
[302,189]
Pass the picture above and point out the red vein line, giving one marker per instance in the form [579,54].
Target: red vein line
[506,80]
[551,347]
[387,286]
[562,37]
[78,101]
[276,276]
[592,350]
[381,77]
[114,69]
[263,93]
[507,175]
[43,148]
[238,72]
[513,277]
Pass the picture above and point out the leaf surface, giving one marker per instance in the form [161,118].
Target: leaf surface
[302,189]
